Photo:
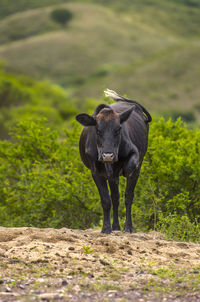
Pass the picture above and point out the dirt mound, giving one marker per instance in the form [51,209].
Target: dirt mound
[76,265]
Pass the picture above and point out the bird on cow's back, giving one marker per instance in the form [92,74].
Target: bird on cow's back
[113,143]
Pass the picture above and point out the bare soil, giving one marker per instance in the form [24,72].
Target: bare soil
[86,265]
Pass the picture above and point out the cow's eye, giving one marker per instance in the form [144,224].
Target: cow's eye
[117,131]
[99,133]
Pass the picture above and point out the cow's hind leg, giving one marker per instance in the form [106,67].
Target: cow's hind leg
[129,194]
[114,188]
[101,184]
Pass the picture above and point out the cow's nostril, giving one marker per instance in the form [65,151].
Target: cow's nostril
[108,157]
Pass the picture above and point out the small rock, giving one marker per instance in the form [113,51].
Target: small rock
[76,288]
[64,283]
[84,285]
[36,292]
[21,286]
[2,255]
[10,280]
[7,289]
[71,248]
[137,293]
[130,252]
[111,293]
[9,295]
[69,277]
[85,295]
[47,296]
[41,280]
[57,254]
[102,261]
[140,272]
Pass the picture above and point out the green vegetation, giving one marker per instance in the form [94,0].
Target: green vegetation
[8,7]
[179,227]
[148,49]
[21,97]
[44,183]
[87,249]
[168,191]
[172,280]
[61,16]
[40,180]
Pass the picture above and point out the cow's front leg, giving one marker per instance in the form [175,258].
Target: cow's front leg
[129,194]
[114,188]
[101,184]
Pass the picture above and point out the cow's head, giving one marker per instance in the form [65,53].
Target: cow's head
[107,125]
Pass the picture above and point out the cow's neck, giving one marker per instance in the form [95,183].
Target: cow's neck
[109,170]
[126,145]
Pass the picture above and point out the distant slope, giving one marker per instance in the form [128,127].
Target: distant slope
[166,81]
[148,49]
[8,7]
[96,39]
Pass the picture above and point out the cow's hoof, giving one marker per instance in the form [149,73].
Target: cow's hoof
[129,229]
[106,230]
[116,227]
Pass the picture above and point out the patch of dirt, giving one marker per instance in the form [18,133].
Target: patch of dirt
[76,265]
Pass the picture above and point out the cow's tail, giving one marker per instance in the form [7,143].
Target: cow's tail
[116,97]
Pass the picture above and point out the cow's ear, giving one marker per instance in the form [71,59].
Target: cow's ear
[125,115]
[86,119]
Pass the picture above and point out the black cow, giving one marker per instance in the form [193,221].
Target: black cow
[113,143]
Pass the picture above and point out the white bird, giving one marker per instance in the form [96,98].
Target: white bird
[112,94]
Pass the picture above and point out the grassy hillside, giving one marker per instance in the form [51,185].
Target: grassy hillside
[8,7]
[70,55]
[147,49]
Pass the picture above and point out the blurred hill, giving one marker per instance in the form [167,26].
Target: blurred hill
[148,49]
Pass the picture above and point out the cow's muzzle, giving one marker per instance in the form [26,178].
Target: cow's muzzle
[108,157]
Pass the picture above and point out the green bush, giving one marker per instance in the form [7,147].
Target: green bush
[22,96]
[41,183]
[61,15]
[179,227]
[169,182]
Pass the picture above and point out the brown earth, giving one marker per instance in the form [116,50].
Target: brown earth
[76,265]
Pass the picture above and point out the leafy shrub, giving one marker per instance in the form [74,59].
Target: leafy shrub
[25,96]
[41,183]
[61,15]
[169,182]
[179,227]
